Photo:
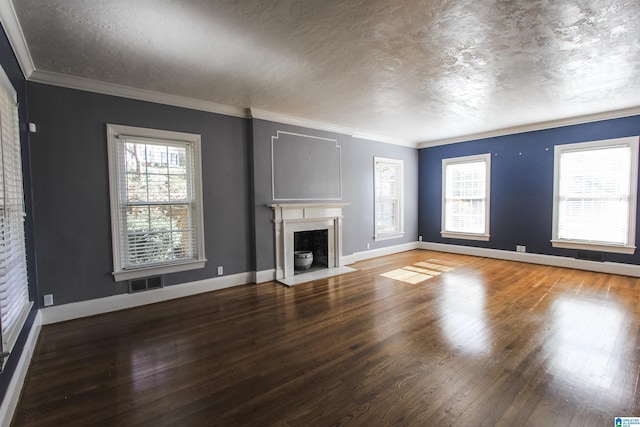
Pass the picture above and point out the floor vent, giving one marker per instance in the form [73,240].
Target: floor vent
[590,255]
[139,285]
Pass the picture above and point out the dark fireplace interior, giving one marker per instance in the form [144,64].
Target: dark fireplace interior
[316,241]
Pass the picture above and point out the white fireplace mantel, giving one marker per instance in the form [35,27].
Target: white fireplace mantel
[290,218]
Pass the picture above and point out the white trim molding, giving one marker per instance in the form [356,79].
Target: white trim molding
[265,276]
[16,38]
[532,127]
[113,89]
[375,253]
[385,139]
[76,310]
[255,113]
[14,389]
[541,259]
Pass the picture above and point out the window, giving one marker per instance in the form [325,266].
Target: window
[595,190]
[14,294]
[465,197]
[388,187]
[156,205]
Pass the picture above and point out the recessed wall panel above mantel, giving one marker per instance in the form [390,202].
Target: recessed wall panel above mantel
[305,167]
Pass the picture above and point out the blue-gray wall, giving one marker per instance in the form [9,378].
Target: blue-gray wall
[71,188]
[521,185]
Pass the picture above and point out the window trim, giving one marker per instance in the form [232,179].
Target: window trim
[630,247]
[378,236]
[119,272]
[486,158]
[16,288]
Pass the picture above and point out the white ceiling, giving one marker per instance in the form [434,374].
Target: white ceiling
[410,71]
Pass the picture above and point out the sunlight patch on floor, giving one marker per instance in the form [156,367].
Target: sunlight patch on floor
[420,271]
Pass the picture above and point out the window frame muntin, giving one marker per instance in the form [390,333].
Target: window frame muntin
[155,136]
[476,158]
[377,236]
[630,247]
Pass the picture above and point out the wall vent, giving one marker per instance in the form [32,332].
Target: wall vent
[590,255]
[144,284]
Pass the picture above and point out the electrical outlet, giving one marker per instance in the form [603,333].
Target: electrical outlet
[368,245]
[220,271]
[419,238]
[523,248]
[48,300]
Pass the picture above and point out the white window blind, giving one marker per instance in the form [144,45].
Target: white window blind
[596,194]
[14,297]
[388,183]
[465,204]
[157,203]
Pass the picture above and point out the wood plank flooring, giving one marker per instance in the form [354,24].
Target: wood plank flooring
[419,338]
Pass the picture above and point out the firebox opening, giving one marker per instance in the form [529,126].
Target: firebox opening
[316,241]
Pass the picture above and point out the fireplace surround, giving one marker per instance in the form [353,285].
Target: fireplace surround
[290,218]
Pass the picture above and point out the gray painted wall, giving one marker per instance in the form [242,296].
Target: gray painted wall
[71,189]
[357,188]
[359,218]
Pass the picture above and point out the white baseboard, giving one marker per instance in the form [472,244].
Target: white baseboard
[374,253]
[531,258]
[265,276]
[92,307]
[10,401]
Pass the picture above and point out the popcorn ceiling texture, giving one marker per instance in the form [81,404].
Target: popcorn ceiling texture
[415,70]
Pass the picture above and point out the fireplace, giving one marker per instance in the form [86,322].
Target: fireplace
[316,242]
[309,223]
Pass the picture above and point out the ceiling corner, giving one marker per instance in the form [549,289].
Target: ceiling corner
[12,27]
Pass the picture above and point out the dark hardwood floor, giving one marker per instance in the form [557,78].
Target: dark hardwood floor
[419,338]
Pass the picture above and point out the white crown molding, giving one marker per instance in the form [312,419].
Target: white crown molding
[72,82]
[328,127]
[16,38]
[385,139]
[298,121]
[569,121]
[105,88]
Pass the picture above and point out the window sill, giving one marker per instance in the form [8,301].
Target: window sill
[602,247]
[388,236]
[157,270]
[466,236]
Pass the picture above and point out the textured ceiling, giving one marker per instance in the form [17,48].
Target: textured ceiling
[414,70]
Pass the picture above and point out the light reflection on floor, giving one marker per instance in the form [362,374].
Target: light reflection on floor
[461,303]
[463,314]
[585,350]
